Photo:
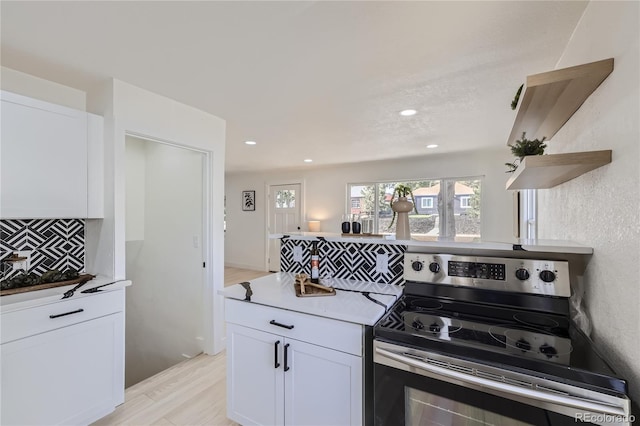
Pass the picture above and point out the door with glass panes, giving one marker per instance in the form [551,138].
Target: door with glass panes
[285,210]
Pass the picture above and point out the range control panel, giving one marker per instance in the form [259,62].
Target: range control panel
[488,271]
[548,277]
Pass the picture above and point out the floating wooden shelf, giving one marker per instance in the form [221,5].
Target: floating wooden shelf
[549,99]
[547,171]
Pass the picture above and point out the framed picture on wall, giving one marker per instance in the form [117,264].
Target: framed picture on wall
[248,201]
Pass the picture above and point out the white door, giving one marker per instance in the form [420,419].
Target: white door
[254,379]
[285,210]
[322,386]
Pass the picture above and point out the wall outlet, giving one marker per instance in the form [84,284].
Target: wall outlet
[23,264]
[297,254]
[382,263]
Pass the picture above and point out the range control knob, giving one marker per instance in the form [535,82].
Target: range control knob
[417,265]
[547,276]
[523,345]
[434,328]
[434,267]
[522,274]
[417,324]
[548,350]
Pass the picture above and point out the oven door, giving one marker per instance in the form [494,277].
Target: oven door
[415,387]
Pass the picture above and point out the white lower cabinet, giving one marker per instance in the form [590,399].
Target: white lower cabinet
[67,375]
[255,386]
[322,387]
[276,379]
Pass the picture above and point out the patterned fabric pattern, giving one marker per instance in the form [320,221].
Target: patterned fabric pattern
[355,261]
[54,244]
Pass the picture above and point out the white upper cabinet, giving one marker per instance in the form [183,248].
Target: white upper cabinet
[44,160]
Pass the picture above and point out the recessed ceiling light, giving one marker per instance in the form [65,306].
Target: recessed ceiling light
[250,142]
[433,145]
[408,112]
[308,160]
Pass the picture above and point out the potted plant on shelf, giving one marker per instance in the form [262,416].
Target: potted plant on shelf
[523,147]
[402,207]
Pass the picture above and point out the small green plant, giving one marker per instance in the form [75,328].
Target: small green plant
[523,147]
[401,190]
[514,102]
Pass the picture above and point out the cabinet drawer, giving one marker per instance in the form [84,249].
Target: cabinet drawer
[29,321]
[330,333]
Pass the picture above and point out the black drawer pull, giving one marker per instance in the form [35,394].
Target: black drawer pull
[66,313]
[277,364]
[286,351]
[273,322]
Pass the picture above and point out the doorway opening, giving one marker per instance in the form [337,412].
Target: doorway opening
[284,212]
[165,251]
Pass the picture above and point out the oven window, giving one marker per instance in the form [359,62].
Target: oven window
[424,409]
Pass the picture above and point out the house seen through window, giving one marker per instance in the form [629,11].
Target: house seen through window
[446,208]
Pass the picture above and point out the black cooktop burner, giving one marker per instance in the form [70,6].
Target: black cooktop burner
[426,304]
[541,344]
[536,320]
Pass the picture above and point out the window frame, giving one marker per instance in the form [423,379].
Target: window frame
[422,202]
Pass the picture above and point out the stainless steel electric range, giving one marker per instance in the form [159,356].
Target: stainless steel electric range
[489,341]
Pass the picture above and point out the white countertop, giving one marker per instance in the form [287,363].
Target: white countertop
[542,246]
[50,295]
[277,290]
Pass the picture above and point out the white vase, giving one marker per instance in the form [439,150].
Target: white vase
[402,207]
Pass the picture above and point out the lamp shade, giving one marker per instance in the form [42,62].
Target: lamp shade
[314,225]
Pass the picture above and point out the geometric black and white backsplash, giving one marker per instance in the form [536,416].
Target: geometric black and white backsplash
[55,244]
[356,261]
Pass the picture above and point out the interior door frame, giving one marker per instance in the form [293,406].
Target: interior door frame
[208,310]
[267,191]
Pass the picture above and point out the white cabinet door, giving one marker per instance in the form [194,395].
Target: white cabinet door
[43,166]
[255,385]
[322,386]
[66,376]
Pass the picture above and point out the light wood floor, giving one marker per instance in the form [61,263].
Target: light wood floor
[192,392]
[235,275]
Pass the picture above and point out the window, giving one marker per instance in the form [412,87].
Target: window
[439,215]
[527,214]
[286,199]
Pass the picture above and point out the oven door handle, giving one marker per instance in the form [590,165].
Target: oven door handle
[505,389]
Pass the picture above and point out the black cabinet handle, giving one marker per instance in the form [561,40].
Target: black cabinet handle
[277,364]
[66,313]
[273,322]
[286,350]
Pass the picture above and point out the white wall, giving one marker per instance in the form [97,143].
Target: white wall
[132,110]
[602,208]
[164,306]
[28,85]
[136,176]
[325,196]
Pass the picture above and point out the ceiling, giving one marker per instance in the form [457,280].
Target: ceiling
[322,80]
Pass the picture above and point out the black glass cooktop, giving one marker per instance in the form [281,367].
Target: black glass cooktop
[540,344]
